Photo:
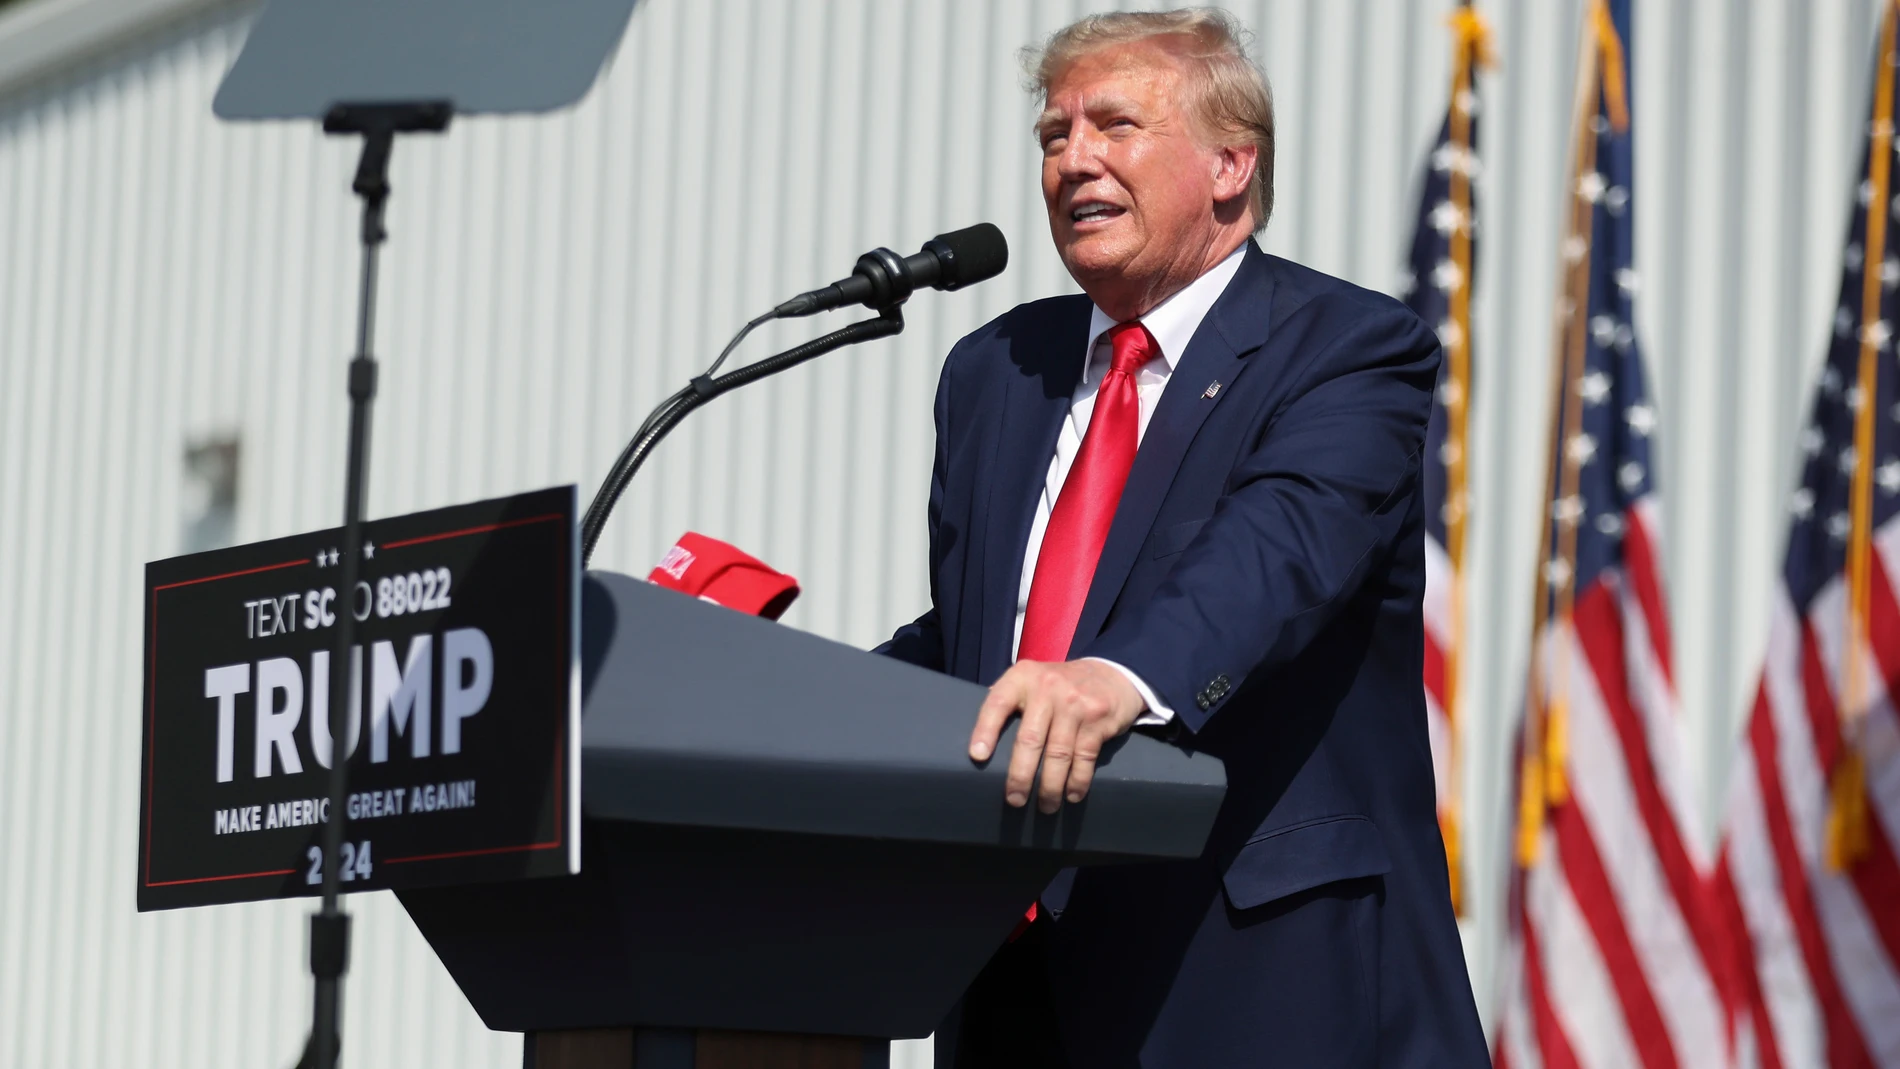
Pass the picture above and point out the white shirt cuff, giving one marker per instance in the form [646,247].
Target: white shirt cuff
[1156,714]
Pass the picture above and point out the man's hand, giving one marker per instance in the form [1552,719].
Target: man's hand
[1070,711]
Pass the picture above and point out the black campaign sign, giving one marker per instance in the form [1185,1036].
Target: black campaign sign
[463,746]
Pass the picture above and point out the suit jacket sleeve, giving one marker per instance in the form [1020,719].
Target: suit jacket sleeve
[920,642]
[1315,506]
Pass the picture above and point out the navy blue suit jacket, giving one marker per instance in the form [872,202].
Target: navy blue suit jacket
[1264,575]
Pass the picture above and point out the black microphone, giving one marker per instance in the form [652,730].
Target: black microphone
[882,279]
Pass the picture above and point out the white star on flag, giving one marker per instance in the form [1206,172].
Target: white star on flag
[1447,218]
[1567,510]
[1839,526]
[1581,449]
[1888,475]
[1630,476]
[1593,388]
[1801,503]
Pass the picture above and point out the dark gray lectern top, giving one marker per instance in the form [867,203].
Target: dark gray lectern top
[303,56]
[697,715]
[783,834]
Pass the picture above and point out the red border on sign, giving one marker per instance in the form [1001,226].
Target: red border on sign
[151,707]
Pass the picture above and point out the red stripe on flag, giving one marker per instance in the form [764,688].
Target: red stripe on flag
[1596,900]
[1844,1047]
[1639,566]
[1599,627]
[1818,696]
[1552,1044]
[1876,876]
[1742,984]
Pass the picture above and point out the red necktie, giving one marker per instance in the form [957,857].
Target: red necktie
[1078,525]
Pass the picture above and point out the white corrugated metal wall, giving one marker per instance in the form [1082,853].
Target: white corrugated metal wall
[163,276]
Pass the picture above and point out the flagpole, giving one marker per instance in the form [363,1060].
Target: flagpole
[1542,783]
[1846,838]
[1468,52]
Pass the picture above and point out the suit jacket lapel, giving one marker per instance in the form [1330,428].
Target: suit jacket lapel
[1046,367]
[1234,327]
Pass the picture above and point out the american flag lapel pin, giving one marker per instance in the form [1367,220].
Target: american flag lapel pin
[1212,389]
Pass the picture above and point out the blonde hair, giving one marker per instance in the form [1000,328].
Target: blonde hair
[1227,91]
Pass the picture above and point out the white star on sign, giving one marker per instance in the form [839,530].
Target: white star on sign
[1642,420]
[320,558]
[1593,388]
[369,551]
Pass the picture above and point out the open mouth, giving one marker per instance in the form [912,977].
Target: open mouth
[1094,212]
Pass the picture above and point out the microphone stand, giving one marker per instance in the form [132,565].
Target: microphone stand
[703,388]
[330,926]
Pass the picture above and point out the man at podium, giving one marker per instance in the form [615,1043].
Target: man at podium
[1188,501]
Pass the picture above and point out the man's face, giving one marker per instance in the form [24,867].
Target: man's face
[1127,177]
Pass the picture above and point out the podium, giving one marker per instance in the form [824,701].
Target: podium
[788,858]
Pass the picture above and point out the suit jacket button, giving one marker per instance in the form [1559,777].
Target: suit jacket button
[1202,701]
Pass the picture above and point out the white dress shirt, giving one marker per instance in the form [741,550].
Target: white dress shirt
[1173,323]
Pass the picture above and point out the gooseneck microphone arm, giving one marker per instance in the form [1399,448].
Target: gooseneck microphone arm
[882,280]
[703,388]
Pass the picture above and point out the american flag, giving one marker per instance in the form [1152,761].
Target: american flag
[1614,959]
[1438,288]
[1808,880]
